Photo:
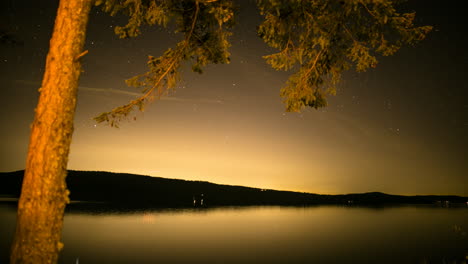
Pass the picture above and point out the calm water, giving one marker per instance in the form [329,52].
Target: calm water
[324,234]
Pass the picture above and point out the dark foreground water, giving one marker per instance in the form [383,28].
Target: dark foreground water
[323,234]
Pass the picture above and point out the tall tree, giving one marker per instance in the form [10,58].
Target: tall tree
[317,38]
[44,193]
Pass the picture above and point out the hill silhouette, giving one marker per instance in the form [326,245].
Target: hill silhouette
[130,190]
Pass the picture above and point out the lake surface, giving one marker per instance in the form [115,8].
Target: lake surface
[322,234]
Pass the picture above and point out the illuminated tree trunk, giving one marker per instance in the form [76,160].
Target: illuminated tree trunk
[44,193]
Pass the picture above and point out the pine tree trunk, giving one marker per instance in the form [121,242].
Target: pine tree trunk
[44,193]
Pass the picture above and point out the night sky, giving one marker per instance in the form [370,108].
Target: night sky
[400,128]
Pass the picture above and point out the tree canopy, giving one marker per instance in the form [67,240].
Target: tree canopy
[206,27]
[316,40]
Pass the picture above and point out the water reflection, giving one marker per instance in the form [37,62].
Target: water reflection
[322,234]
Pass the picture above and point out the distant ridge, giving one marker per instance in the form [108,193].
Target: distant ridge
[131,190]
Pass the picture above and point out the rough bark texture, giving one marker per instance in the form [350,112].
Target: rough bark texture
[44,193]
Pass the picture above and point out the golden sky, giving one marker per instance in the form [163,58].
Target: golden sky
[400,128]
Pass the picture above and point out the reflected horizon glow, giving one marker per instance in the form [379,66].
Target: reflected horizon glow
[272,234]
